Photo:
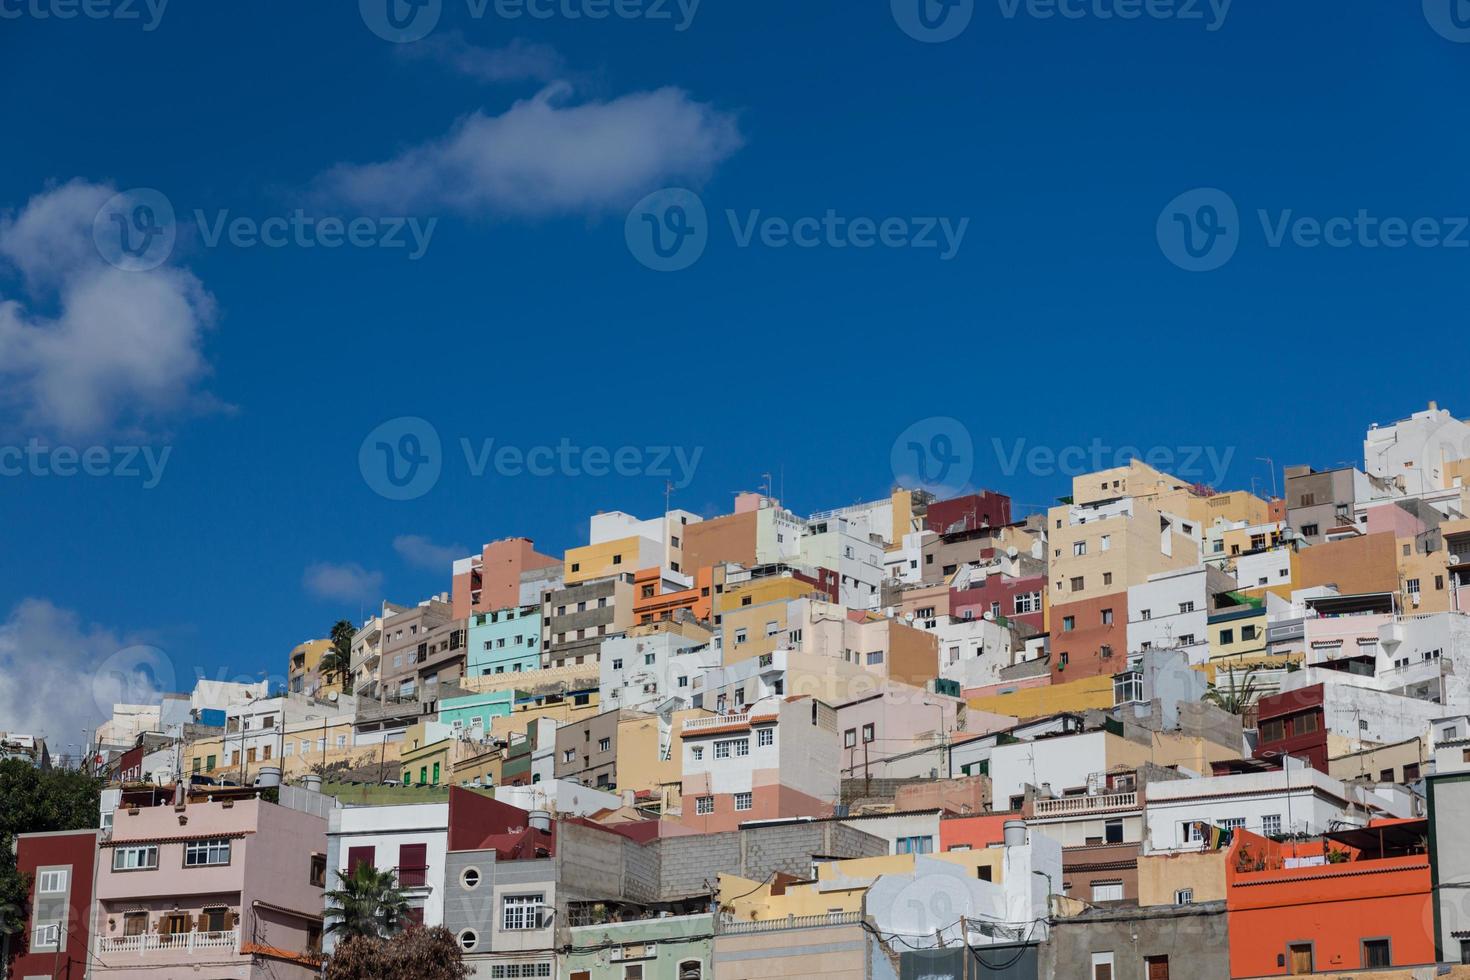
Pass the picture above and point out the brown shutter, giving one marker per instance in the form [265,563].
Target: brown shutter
[165,924]
[201,924]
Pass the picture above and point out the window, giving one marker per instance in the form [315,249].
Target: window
[1271,824]
[1227,636]
[1184,896]
[1376,952]
[704,805]
[468,940]
[914,845]
[1069,623]
[1113,832]
[740,635]
[697,752]
[744,801]
[519,913]
[604,744]
[1411,772]
[135,923]
[1107,578]
[691,970]
[722,750]
[1232,823]
[198,853]
[135,858]
[1077,583]
[765,736]
[1079,548]
[1145,615]
[1247,632]
[1186,607]
[1102,966]
[413,860]
[868,732]
[1309,531]
[1107,891]
[1063,659]
[1028,602]
[875,657]
[215,919]
[51,882]
[1412,587]
[633,971]
[1273,730]
[1107,617]
[742,747]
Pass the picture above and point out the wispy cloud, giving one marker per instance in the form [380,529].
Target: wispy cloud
[520,60]
[348,582]
[59,676]
[420,552]
[122,349]
[549,156]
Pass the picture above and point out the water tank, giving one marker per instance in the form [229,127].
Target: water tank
[313,783]
[1015,833]
[540,820]
[269,776]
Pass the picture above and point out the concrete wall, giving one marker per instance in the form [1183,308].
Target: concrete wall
[1193,937]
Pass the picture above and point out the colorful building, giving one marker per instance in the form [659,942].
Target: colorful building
[58,928]
[504,641]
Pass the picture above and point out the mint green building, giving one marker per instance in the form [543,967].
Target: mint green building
[678,947]
[464,712]
[506,641]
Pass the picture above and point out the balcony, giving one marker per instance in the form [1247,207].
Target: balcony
[1071,806]
[154,942]
[791,922]
[716,721]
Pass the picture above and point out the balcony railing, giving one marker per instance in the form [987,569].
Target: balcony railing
[792,922]
[715,721]
[1072,805]
[152,942]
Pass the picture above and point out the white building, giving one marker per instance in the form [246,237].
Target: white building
[255,730]
[833,544]
[1171,611]
[410,839]
[1297,799]
[1415,452]
[642,672]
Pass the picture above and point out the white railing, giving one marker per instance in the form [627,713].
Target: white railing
[152,942]
[1070,805]
[792,922]
[715,721]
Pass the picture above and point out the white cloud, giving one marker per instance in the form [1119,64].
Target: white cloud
[348,582]
[546,156]
[59,676]
[519,60]
[120,350]
[419,551]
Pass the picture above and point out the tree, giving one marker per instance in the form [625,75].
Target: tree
[368,903]
[337,661]
[35,801]
[1237,698]
[418,954]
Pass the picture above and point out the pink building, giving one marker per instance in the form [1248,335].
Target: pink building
[898,722]
[228,890]
[1022,599]
[778,758]
[491,580]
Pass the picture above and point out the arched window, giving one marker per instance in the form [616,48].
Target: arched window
[691,970]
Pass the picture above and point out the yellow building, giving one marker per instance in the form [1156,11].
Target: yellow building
[757,592]
[839,885]
[623,555]
[1049,699]
[304,674]
[1238,635]
[1161,877]
[650,759]
[424,762]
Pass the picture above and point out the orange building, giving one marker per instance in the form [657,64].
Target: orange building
[651,604]
[1361,902]
[974,833]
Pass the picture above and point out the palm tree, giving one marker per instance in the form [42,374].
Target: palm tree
[337,661]
[368,904]
[1236,698]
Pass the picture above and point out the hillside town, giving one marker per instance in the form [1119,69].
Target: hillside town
[1157,729]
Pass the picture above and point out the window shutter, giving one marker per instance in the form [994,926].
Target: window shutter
[165,924]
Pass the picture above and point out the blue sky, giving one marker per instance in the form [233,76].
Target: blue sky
[521,144]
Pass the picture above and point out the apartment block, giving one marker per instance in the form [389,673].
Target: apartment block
[499,577]
[504,641]
[58,926]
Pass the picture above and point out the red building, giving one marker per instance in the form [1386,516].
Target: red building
[57,934]
[1293,724]
[968,513]
[1021,599]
